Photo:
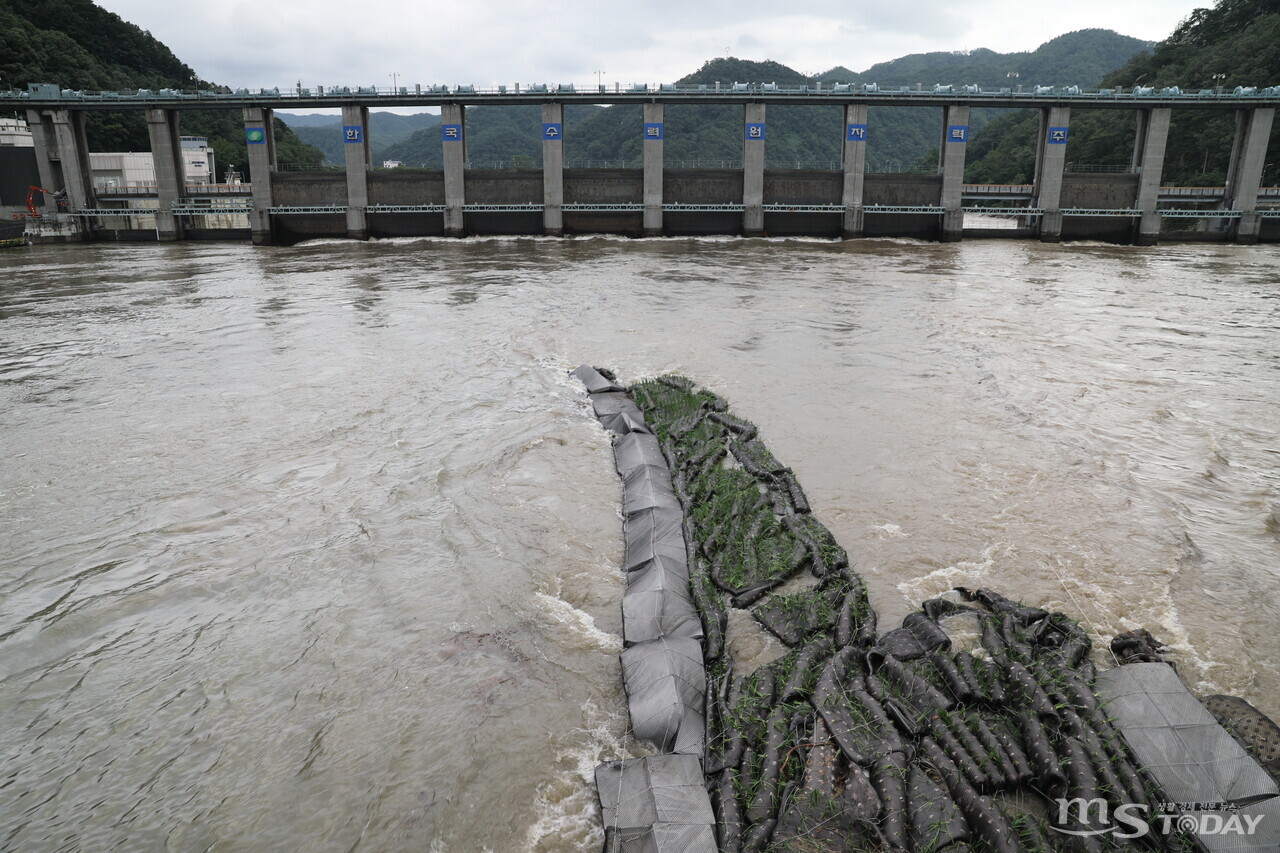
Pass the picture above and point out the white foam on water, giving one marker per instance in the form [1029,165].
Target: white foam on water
[566,807]
[965,632]
[942,580]
[579,625]
[890,531]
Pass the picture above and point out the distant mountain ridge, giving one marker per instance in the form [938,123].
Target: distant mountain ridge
[1079,58]
[1234,43]
[799,136]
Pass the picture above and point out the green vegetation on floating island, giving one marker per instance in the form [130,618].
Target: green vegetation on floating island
[856,740]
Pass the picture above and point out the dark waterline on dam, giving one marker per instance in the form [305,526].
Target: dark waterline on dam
[318,547]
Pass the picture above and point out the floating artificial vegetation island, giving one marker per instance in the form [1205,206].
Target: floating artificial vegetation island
[854,740]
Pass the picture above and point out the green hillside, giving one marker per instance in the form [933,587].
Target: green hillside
[497,137]
[1236,43]
[1079,58]
[78,45]
[385,129]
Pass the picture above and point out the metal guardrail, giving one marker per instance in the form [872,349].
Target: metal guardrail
[145,190]
[1199,214]
[319,208]
[1099,211]
[1097,168]
[999,189]
[405,208]
[680,207]
[1006,211]
[621,207]
[903,208]
[677,207]
[52,95]
[208,210]
[803,208]
[112,211]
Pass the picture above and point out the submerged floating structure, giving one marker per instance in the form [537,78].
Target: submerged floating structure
[863,740]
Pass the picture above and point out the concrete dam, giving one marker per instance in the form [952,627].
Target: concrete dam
[360,202]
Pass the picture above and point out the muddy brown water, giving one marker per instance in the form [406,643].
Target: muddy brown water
[317,547]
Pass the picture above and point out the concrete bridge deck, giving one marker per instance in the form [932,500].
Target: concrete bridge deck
[937,95]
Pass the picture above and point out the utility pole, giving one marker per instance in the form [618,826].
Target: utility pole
[394,75]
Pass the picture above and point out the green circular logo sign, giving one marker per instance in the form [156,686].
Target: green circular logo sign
[254,134]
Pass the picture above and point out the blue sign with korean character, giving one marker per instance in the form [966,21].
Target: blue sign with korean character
[855,133]
[451,132]
[958,133]
[755,131]
[352,133]
[1057,136]
[552,132]
[652,130]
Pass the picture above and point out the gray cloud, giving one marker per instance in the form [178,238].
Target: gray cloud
[253,43]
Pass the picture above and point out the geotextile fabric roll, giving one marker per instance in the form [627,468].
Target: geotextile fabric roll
[656,804]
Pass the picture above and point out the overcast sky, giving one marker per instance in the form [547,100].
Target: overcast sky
[264,43]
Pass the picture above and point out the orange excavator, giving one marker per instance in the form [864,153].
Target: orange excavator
[32,213]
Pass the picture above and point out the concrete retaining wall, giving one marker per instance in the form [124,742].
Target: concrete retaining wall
[1099,190]
[902,190]
[680,186]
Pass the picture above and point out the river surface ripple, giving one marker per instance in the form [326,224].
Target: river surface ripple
[317,547]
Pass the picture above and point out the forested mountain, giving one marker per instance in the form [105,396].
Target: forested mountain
[78,45]
[1079,58]
[1235,43]
[798,137]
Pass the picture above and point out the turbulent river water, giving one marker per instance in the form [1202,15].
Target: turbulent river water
[317,548]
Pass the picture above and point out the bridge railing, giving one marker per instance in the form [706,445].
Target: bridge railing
[50,92]
[144,190]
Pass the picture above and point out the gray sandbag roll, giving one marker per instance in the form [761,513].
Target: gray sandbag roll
[634,449]
[595,381]
[648,487]
[656,804]
[933,818]
[666,690]
[624,422]
[653,533]
[918,636]
[889,777]
[618,413]
[985,819]
[657,603]
[612,403]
